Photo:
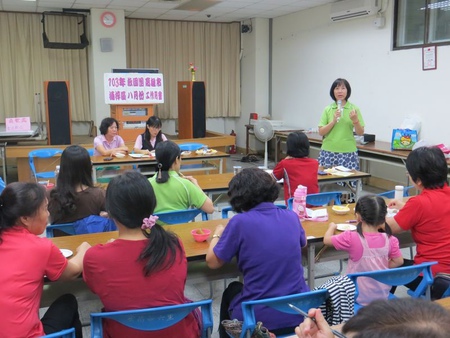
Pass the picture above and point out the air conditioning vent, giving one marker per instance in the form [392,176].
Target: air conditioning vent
[350,9]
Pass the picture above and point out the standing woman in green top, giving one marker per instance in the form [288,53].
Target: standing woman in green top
[336,126]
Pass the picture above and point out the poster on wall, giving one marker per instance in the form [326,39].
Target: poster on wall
[133,88]
[429,58]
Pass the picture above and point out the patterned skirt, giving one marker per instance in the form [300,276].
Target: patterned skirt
[328,159]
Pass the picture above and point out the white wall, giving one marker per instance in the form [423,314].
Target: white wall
[310,52]
[103,62]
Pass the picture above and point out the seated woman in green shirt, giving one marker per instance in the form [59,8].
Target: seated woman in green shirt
[173,190]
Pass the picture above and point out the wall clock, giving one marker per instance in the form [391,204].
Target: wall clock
[108,19]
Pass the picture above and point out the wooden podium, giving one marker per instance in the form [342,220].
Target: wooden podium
[191,109]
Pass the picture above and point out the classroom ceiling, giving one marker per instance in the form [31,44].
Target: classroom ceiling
[188,10]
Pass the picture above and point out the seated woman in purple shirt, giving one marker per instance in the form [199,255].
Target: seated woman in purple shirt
[266,242]
[109,143]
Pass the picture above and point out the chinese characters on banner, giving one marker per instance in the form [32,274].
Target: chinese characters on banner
[133,88]
[18,124]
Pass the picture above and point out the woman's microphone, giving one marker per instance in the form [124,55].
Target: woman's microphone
[339,103]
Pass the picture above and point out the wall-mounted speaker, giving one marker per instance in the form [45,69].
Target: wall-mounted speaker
[246,29]
[106,45]
[57,108]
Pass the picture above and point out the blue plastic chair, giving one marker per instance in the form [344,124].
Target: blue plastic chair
[42,153]
[391,193]
[303,301]
[153,319]
[90,151]
[2,185]
[181,216]
[399,276]
[446,293]
[320,199]
[69,333]
[226,210]
[191,146]
[88,225]
[66,227]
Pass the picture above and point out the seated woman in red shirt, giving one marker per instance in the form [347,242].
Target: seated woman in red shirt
[297,168]
[25,259]
[426,215]
[145,267]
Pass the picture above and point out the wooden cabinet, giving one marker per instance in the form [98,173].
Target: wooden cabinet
[132,119]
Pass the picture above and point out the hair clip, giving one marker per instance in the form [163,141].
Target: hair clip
[148,223]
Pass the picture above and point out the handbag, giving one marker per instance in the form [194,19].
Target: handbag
[234,329]
[403,139]
[441,284]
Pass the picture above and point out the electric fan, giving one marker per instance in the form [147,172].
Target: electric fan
[264,132]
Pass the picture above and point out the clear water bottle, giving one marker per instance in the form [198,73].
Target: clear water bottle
[56,174]
[299,202]
[398,195]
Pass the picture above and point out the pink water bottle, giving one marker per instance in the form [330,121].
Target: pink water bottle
[299,203]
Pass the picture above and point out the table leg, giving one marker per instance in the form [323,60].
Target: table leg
[358,189]
[94,175]
[247,131]
[311,264]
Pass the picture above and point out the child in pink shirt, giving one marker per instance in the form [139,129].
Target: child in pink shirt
[368,249]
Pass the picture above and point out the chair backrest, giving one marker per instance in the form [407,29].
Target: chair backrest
[391,193]
[2,185]
[88,225]
[226,210]
[400,276]
[191,146]
[65,227]
[304,301]
[69,333]
[153,319]
[180,216]
[320,199]
[41,153]
[90,151]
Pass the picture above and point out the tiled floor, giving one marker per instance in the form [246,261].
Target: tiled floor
[89,303]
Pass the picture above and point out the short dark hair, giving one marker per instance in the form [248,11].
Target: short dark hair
[427,164]
[338,82]
[129,199]
[155,122]
[19,199]
[75,170]
[251,187]
[297,144]
[373,211]
[166,153]
[400,318]
[106,123]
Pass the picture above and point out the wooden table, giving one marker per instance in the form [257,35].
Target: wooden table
[197,251]
[214,140]
[281,130]
[444,302]
[208,162]
[194,250]
[218,183]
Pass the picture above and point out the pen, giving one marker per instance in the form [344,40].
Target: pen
[304,314]
[351,221]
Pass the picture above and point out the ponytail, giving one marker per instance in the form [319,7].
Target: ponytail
[160,251]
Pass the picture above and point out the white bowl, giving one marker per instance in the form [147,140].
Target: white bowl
[340,210]
[120,155]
